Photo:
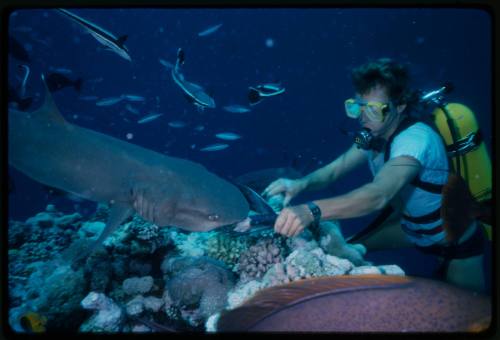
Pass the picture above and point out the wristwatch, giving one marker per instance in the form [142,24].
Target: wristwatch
[315,212]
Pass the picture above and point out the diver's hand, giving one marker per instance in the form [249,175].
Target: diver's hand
[293,220]
[289,187]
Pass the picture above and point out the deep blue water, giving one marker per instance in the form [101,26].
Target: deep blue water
[312,54]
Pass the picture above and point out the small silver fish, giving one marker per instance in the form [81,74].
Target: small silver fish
[108,101]
[227,136]
[199,128]
[214,147]
[131,109]
[210,30]
[236,108]
[177,124]
[149,118]
[62,70]
[133,97]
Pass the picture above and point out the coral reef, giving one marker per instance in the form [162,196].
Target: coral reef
[258,258]
[333,242]
[227,249]
[56,291]
[138,285]
[146,277]
[197,286]
[108,316]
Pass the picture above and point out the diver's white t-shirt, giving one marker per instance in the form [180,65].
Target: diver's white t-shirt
[424,144]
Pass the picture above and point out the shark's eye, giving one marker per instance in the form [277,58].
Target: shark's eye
[213,217]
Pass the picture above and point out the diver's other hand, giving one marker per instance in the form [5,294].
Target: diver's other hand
[289,187]
[293,220]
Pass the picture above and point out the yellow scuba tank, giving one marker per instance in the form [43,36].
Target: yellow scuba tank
[467,152]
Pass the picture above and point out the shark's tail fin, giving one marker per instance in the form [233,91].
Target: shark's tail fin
[49,108]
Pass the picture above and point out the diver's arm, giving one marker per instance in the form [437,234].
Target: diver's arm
[373,196]
[331,172]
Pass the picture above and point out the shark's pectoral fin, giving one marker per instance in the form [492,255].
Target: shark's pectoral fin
[118,213]
[49,108]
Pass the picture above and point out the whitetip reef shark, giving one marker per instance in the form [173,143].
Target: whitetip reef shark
[100,168]
[104,37]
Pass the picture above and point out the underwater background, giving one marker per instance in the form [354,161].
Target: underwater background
[310,52]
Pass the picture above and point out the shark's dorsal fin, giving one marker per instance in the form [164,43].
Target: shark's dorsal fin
[49,108]
[121,39]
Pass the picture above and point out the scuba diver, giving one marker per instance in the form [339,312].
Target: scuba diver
[427,180]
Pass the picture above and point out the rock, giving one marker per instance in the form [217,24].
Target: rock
[140,329]
[58,291]
[108,318]
[211,323]
[242,293]
[91,229]
[42,220]
[135,306]
[67,220]
[140,268]
[365,270]
[138,285]
[333,243]
[153,304]
[334,265]
[391,269]
[17,234]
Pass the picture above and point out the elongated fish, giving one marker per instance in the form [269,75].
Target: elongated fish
[131,109]
[214,147]
[108,101]
[257,93]
[104,37]
[361,303]
[193,92]
[62,70]
[100,168]
[149,118]
[227,135]
[177,124]
[236,108]
[133,97]
[210,30]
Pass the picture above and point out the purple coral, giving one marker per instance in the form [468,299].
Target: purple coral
[261,256]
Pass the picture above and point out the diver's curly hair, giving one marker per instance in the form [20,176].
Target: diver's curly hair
[388,73]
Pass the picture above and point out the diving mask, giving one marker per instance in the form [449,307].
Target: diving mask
[375,111]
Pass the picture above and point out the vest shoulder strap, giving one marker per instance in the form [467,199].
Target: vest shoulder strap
[417,182]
